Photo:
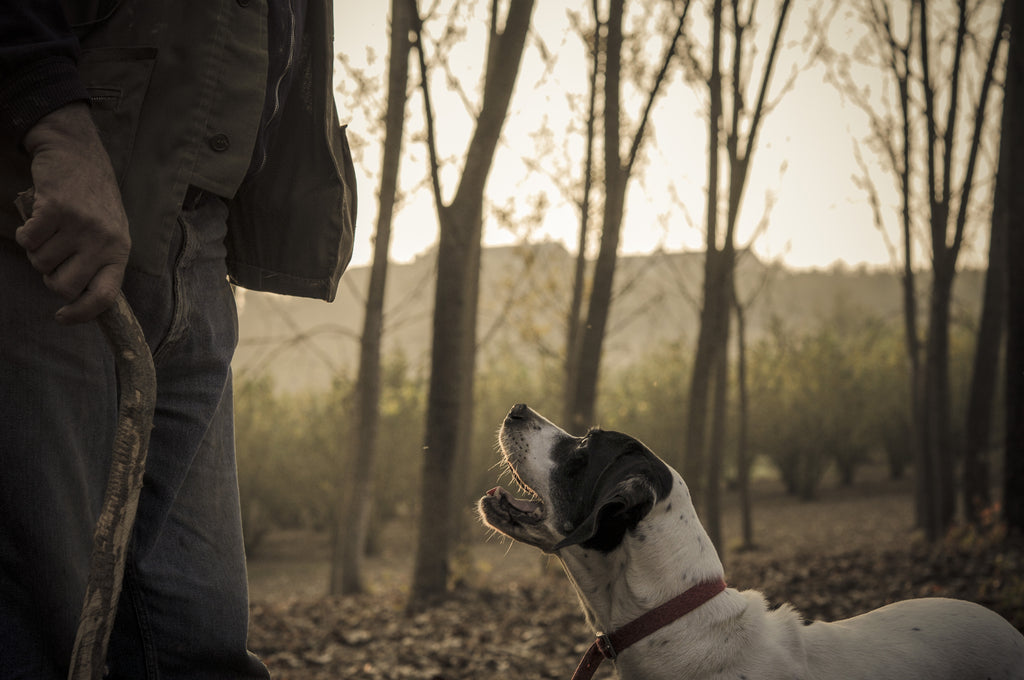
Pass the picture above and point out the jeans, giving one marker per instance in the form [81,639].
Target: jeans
[183,611]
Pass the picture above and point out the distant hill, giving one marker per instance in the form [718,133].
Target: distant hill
[524,295]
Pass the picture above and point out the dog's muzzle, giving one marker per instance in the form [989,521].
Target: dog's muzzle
[512,509]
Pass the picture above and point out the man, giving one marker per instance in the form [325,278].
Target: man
[172,147]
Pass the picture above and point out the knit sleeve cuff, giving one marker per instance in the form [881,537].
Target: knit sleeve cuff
[36,90]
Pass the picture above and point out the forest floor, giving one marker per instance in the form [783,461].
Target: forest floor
[512,614]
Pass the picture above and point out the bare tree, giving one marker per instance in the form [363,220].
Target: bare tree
[945,249]
[703,457]
[582,395]
[450,398]
[977,481]
[575,321]
[893,141]
[743,458]
[353,519]
[942,190]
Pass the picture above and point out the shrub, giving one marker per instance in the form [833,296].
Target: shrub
[824,397]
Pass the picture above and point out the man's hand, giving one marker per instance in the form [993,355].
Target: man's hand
[77,236]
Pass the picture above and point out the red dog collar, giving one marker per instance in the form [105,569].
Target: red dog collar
[611,645]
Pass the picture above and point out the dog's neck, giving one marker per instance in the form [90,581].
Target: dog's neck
[651,565]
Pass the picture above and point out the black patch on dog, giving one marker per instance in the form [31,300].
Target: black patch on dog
[602,485]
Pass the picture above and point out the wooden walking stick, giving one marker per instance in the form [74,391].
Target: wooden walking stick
[136,387]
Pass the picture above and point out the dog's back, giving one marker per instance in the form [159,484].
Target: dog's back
[933,638]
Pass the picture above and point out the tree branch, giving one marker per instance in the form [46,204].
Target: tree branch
[669,53]
[979,124]
[431,140]
[929,110]
[940,247]
[759,109]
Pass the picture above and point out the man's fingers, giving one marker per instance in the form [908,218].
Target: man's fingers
[35,232]
[69,279]
[98,296]
[50,255]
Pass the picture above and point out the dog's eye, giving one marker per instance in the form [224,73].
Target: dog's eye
[576,459]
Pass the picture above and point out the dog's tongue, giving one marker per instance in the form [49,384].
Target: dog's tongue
[518,503]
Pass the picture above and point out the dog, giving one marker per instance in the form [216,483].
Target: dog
[623,525]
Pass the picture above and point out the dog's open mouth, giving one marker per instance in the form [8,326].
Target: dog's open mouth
[502,509]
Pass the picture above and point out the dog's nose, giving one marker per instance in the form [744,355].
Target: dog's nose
[518,411]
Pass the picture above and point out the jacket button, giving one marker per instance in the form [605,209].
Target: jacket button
[220,142]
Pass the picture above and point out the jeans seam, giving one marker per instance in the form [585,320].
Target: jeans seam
[135,597]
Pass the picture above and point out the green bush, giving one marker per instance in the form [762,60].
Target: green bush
[287,448]
[825,397]
[648,400]
[833,396]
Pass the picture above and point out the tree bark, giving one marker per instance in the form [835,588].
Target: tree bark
[977,494]
[694,460]
[574,321]
[585,388]
[937,404]
[583,396]
[449,402]
[702,460]
[742,453]
[352,521]
[713,497]
[935,436]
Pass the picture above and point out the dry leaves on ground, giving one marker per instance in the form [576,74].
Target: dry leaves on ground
[535,629]
[526,632]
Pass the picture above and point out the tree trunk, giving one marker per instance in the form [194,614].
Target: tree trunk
[977,494]
[350,543]
[584,395]
[742,453]
[449,402]
[720,261]
[935,436]
[937,432]
[574,321]
[694,459]
[1013,101]
[713,498]
[901,67]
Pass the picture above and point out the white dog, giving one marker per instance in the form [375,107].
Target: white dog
[622,523]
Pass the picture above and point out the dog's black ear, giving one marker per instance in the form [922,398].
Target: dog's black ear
[617,510]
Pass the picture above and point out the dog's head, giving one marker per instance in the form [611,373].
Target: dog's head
[588,491]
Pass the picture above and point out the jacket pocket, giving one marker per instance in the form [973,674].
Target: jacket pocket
[83,16]
[117,80]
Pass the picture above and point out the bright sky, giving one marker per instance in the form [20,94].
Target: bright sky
[804,156]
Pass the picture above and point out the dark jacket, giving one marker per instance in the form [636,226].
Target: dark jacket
[178,91]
